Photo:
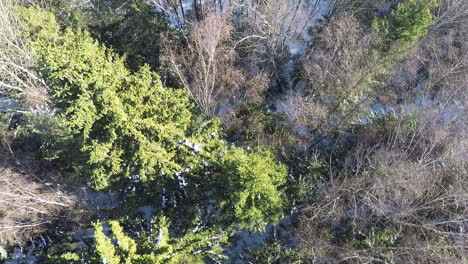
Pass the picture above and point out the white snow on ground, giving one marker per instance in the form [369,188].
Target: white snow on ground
[7,104]
[20,257]
[99,200]
[176,19]
[307,15]
[303,16]
[147,211]
[295,48]
[246,240]
[292,105]
[428,106]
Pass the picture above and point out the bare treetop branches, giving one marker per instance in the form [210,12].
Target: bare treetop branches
[17,75]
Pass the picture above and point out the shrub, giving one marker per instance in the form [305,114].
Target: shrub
[340,72]
[132,29]
[275,253]
[3,253]
[411,19]
[29,198]
[387,199]
[306,173]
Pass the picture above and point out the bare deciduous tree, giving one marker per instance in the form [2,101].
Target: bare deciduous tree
[206,65]
[275,29]
[17,76]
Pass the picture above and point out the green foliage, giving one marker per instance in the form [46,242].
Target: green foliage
[411,19]
[31,134]
[398,32]
[408,22]
[39,24]
[119,248]
[131,28]
[127,246]
[380,26]
[69,13]
[70,257]
[250,183]
[126,123]
[3,253]
[306,173]
[375,237]
[254,124]
[104,247]
[277,254]
[385,125]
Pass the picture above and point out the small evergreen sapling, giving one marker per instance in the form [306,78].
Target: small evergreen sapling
[249,186]
[408,22]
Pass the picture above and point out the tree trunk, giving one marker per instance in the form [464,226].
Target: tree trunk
[197,11]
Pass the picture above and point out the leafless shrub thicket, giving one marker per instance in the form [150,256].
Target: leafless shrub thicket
[438,66]
[17,76]
[276,31]
[409,182]
[446,60]
[264,35]
[29,198]
[301,111]
[177,11]
[451,13]
[25,205]
[435,73]
[400,193]
[337,68]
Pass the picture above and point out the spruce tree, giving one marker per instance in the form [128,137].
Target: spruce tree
[128,125]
